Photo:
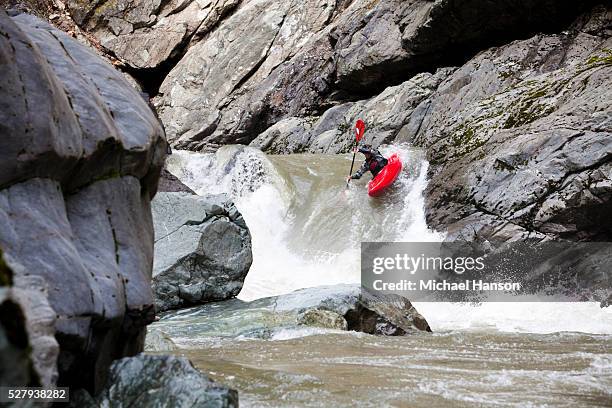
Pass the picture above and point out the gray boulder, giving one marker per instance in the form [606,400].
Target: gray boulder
[322,318]
[339,307]
[80,156]
[157,382]
[202,250]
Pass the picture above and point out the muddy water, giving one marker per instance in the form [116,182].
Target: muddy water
[429,370]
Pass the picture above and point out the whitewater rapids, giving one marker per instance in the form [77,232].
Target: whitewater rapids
[307,227]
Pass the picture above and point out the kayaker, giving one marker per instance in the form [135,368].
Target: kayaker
[374,162]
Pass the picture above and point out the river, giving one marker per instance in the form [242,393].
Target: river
[307,228]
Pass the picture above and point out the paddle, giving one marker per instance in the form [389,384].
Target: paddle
[359,131]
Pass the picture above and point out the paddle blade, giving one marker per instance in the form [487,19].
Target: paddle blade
[359,129]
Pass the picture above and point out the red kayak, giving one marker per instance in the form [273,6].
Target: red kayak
[386,177]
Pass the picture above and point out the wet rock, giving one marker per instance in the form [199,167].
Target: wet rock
[158,381]
[322,318]
[202,250]
[340,307]
[389,315]
[79,160]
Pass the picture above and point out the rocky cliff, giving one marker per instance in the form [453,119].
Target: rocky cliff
[80,156]
[225,70]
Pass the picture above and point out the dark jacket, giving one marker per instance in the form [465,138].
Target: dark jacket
[374,164]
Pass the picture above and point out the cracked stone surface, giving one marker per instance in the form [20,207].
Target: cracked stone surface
[267,60]
[202,250]
[144,34]
[386,115]
[80,156]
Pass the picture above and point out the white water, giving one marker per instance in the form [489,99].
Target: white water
[307,227]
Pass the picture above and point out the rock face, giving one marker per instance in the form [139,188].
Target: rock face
[339,307]
[271,60]
[226,70]
[202,250]
[80,156]
[518,138]
[146,34]
[157,382]
[386,116]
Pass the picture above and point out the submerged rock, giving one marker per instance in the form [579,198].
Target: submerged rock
[339,307]
[158,381]
[202,250]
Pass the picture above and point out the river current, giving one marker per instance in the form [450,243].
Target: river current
[307,228]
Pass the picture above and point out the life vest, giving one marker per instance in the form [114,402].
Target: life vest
[376,163]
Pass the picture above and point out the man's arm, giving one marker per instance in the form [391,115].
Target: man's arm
[361,171]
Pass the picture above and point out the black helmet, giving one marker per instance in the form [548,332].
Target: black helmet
[365,149]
